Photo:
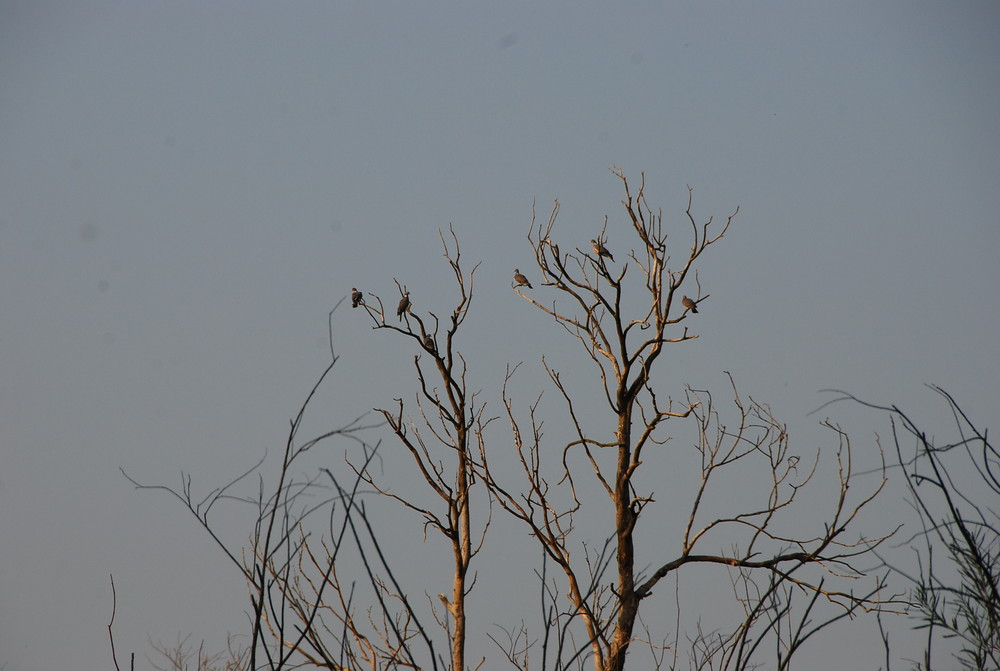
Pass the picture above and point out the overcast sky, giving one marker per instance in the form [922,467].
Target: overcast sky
[187,188]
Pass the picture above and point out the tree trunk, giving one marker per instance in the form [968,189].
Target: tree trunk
[625,518]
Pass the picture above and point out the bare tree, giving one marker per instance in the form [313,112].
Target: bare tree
[623,316]
[443,446]
[953,487]
[308,605]
[329,597]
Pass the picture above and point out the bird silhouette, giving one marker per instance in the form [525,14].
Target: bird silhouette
[690,304]
[355,297]
[520,280]
[404,305]
[601,250]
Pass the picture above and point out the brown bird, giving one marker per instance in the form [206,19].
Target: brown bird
[404,305]
[429,343]
[355,297]
[690,304]
[520,280]
[601,250]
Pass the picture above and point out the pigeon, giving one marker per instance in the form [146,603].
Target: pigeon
[690,304]
[355,297]
[601,250]
[520,280]
[404,305]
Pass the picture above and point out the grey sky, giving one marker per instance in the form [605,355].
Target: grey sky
[186,189]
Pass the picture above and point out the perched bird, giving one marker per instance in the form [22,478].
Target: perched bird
[429,343]
[520,280]
[690,304]
[601,250]
[404,305]
[355,297]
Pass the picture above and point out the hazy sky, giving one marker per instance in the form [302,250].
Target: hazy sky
[187,188]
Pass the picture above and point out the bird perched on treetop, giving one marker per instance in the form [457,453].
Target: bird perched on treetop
[404,305]
[520,280]
[355,297]
[690,304]
[601,250]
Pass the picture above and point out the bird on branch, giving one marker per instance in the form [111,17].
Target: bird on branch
[356,298]
[404,305]
[690,304]
[601,250]
[520,280]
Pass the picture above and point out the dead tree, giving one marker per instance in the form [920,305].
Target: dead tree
[624,316]
[443,446]
[313,603]
[624,308]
